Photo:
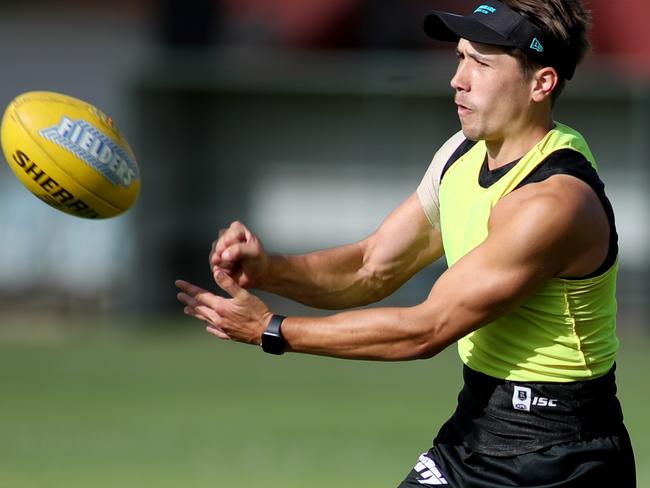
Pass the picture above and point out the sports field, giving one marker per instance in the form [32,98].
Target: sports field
[172,407]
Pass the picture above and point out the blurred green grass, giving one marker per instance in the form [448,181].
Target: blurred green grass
[172,406]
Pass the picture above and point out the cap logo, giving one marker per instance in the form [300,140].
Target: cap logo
[536,45]
[485,9]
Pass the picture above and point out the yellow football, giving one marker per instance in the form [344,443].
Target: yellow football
[70,155]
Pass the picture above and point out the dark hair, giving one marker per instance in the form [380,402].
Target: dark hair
[566,21]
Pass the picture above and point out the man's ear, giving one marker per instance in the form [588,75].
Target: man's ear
[544,81]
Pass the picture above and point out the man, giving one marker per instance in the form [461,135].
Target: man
[516,206]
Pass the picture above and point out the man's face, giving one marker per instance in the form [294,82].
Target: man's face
[492,95]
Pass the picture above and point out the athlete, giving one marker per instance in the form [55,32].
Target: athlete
[514,203]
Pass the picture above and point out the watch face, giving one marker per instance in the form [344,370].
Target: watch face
[272,343]
[272,340]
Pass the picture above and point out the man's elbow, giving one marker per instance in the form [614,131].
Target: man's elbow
[376,284]
[426,348]
[432,337]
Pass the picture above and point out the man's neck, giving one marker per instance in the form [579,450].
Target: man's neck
[509,148]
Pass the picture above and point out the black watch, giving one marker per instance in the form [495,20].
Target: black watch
[272,340]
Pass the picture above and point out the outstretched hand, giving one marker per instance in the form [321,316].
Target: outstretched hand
[243,317]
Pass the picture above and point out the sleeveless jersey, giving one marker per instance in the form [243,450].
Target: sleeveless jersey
[566,330]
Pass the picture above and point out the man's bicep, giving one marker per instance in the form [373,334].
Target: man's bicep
[487,283]
[515,260]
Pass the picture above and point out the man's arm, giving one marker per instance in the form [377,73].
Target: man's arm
[342,277]
[557,228]
[553,228]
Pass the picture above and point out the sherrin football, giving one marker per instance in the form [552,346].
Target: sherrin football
[70,155]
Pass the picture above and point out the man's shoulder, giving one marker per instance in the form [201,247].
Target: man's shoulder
[558,188]
[560,205]
[451,144]
[452,148]
[559,219]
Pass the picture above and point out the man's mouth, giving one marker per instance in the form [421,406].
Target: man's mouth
[463,109]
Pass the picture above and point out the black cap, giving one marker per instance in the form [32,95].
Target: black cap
[495,23]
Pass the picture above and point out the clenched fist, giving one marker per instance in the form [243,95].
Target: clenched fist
[240,254]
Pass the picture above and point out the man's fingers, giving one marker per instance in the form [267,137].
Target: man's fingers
[187,310]
[188,287]
[227,284]
[197,309]
[239,251]
[226,257]
[228,247]
[193,295]
[211,316]
[237,232]
[186,299]
[213,257]
[192,312]
[219,246]
[231,254]
[217,332]
[203,313]
[211,328]
[203,305]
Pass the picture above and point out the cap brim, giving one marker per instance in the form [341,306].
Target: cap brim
[444,26]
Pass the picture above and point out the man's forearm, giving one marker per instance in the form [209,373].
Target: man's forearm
[360,273]
[330,279]
[381,334]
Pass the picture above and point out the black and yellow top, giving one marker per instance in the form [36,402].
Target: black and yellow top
[566,330]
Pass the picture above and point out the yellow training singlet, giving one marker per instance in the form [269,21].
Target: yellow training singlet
[565,331]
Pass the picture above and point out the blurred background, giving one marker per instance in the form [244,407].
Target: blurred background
[309,121]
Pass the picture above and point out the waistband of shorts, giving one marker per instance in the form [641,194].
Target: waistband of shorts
[507,418]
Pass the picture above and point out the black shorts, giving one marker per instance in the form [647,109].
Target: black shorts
[605,461]
[532,434]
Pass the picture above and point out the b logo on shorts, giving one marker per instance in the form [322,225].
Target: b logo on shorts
[521,398]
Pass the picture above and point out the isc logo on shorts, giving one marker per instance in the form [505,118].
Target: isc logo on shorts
[522,399]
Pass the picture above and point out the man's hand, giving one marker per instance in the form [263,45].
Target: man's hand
[242,318]
[239,254]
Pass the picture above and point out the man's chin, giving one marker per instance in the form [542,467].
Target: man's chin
[469,134]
